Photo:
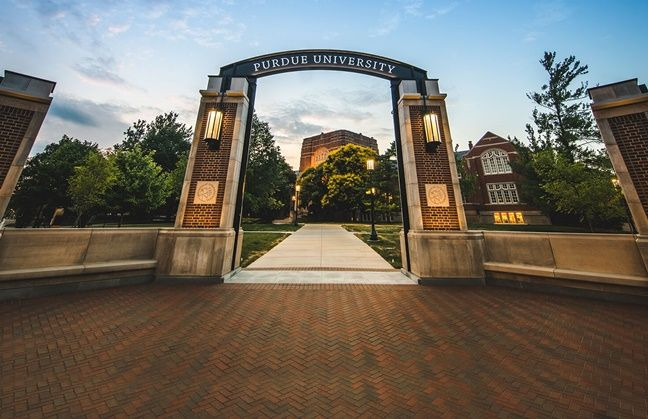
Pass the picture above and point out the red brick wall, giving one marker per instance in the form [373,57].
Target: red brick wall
[210,165]
[433,168]
[631,135]
[13,125]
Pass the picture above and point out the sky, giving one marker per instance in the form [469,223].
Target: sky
[119,61]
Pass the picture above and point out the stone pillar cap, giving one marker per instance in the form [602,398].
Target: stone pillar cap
[28,85]
[615,91]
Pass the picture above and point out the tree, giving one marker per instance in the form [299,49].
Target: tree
[385,178]
[140,186]
[467,180]
[347,179]
[313,189]
[564,123]
[43,186]
[561,174]
[175,180]
[346,192]
[166,138]
[88,186]
[576,189]
[269,178]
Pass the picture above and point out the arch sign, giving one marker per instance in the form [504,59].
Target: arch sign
[282,62]
[435,243]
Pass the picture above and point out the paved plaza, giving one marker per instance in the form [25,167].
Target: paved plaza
[322,350]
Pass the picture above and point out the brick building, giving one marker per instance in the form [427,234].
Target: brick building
[497,192]
[317,148]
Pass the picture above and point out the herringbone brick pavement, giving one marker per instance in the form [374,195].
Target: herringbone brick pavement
[322,350]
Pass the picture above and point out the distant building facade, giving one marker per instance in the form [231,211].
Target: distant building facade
[497,191]
[316,149]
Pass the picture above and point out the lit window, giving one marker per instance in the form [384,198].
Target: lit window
[508,218]
[519,218]
[495,162]
[502,193]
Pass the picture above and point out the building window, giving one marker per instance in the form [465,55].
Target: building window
[502,193]
[495,162]
[508,218]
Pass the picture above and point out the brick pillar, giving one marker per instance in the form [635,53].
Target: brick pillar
[202,242]
[441,248]
[24,102]
[621,112]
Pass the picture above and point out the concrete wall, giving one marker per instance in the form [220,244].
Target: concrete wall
[612,259]
[37,262]
[34,259]
[72,259]
[40,248]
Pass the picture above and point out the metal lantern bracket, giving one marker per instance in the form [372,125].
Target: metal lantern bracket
[214,143]
[431,146]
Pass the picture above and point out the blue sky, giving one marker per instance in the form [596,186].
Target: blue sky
[117,61]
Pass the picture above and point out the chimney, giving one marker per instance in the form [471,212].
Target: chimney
[470,145]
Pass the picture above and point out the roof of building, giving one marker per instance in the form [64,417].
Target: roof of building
[339,131]
[487,140]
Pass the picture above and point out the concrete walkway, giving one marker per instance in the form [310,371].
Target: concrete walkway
[321,253]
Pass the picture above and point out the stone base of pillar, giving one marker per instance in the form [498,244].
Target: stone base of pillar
[191,254]
[642,245]
[446,258]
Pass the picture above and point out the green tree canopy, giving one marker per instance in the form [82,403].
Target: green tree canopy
[43,185]
[269,178]
[140,186]
[313,189]
[561,173]
[385,179]
[339,185]
[167,139]
[574,188]
[564,121]
[89,184]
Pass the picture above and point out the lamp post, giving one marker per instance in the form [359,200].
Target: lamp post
[372,191]
[296,199]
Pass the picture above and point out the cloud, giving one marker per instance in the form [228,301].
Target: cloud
[442,11]
[99,69]
[72,111]
[117,29]
[544,16]
[103,123]
[413,7]
[361,97]
[86,112]
[387,25]
[196,24]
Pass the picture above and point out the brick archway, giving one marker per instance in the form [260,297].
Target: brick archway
[430,224]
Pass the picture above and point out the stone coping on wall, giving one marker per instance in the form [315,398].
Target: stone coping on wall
[576,258]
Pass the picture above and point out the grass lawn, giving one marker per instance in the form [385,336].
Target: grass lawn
[388,243]
[247,226]
[256,245]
